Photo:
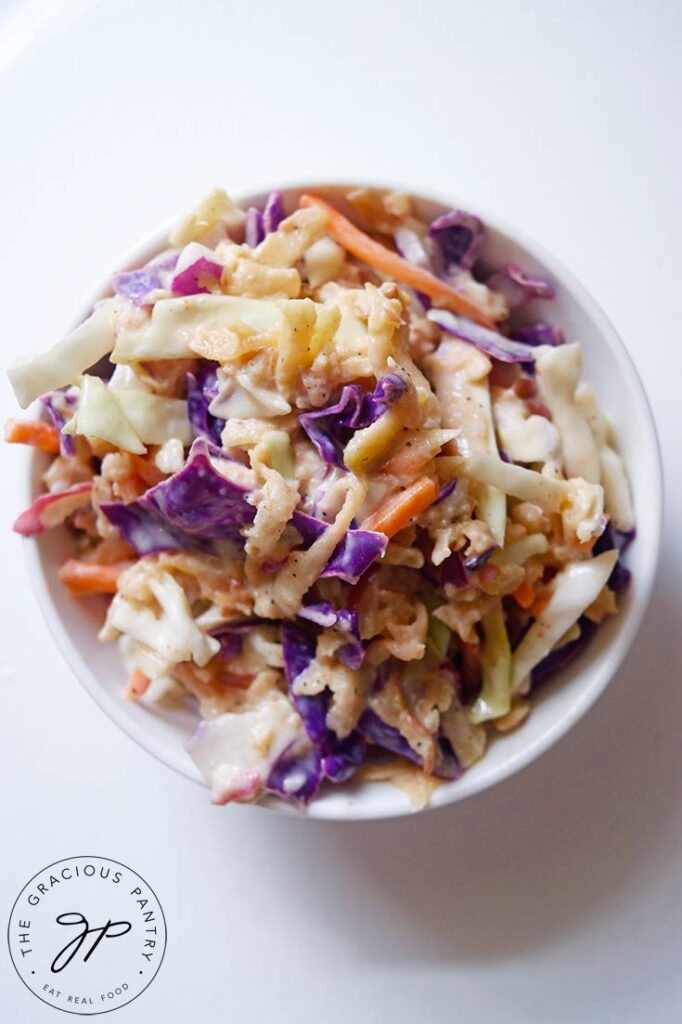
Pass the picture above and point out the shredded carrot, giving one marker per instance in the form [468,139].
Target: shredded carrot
[524,595]
[390,263]
[138,683]
[33,432]
[398,511]
[131,488]
[539,604]
[147,470]
[91,577]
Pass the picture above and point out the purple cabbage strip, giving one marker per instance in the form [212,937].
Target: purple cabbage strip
[296,775]
[137,285]
[191,509]
[352,557]
[445,491]
[231,645]
[538,334]
[330,429]
[323,614]
[198,506]
[339,763]
[61,404]
[478,560]
[273,212]
[193,280]
[557,660]
[253,227]
[458,237]
[339,757]
[489,342]
[620,578]
[231,637]
[416,251]
[519,287]
[452,571]
[378,733]
[611,538]
[202,388]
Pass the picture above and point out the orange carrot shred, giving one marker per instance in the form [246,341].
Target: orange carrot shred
[390,263]
[524,595]
[539,605]
[33,432]
[397,511]
[138,683]
[91,577]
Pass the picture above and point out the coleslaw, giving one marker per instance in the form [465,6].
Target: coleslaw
[343,487]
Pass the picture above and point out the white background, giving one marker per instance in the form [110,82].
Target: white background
[556,897]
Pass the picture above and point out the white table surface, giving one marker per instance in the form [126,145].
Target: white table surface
[556,897]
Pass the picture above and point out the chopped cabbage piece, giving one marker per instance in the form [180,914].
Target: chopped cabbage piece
[170,632]
[617,499]
[68,359]
[175,321]
[216,210]
[99,414]
[496,659]
[323,261]
[154,419]
[278,453]
[558,371]
[580,503]
[574,589]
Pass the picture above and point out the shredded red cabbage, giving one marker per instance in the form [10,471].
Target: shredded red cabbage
[330,429]
[458,237]
[452,571]
[190,509]
[557,660]
[202,388]
[273,212]
[378,733]
[253,227]
[538,334]
[198,277]
[518,286]
[339,758]
[138,285]
[487,341]
[61,405]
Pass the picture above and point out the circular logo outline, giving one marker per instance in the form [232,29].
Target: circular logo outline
[64,860]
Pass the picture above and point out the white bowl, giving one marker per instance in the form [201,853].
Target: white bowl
[560,704]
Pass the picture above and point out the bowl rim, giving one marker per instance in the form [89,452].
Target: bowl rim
[612,657]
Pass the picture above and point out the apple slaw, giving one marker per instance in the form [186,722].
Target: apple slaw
[342,486]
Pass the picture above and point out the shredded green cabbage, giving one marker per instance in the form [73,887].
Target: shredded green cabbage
[100,415]
[68,359]
[496,660]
